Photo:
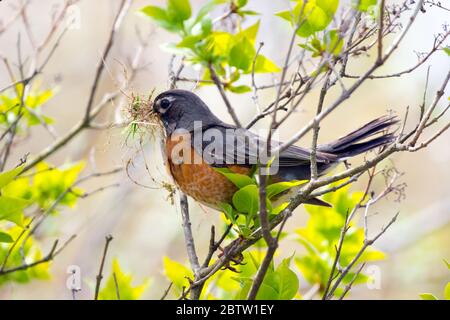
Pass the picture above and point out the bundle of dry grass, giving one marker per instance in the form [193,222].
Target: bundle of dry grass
[141,117]
[144,123]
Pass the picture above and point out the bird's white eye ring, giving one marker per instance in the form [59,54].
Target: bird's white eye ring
[165,103]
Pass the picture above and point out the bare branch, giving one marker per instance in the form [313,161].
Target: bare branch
[123,8]
[430,110]
[344,230]
[380,31]
[345,95]
[219,86]
[116,285]
[272,243]
[189,239]
[49,257]
[166,292]
[99,277]
[349,286]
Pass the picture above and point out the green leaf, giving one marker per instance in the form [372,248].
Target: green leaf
[219,44]
[328,6]
[279,284]
[206,26]
[49,184]
[428,296]
[238,89]
[203,12]
[229,212]
[239,180]
[447,264]
[446,50]
[7,176]
[30,250]
[250,33]
[189,41]
[287,281]
[280,208]
[313,268]
[264,65]
[177,273]
[315,15]
[447,291]
[363,5]
[334,42]
[279,187]
[157,13]
[241,3]
[179,10]
[160,16]
[38,98]
[11,209]
[242,54]
[248,13]
[124,288]
[4,237]
[265,291]
[246,199]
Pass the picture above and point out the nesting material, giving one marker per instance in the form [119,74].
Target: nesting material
[144,123]
[141,117]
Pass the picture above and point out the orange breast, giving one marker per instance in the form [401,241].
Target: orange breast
[196,178]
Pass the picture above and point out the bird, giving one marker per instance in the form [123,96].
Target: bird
[196,143]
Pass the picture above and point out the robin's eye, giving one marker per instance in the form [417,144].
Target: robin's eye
[165,103]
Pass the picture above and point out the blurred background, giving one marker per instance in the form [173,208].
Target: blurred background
[146,226]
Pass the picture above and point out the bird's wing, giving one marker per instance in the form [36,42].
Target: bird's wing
[223,145]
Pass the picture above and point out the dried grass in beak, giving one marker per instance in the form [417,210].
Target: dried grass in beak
[141,117]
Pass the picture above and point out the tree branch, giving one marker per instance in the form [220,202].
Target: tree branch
[219,86]
[99,277]
[123,8]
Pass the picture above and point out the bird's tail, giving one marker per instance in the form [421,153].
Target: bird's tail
[352,144]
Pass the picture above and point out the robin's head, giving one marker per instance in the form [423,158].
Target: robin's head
[178,109]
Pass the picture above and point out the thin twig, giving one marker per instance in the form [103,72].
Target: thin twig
[349,286]
[123,8]
[99,277]
[227,102]
[50,256]
[116,285]
[166,292]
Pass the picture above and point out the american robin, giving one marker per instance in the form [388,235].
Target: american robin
[196,142]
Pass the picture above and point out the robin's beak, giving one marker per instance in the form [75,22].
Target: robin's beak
[154,107]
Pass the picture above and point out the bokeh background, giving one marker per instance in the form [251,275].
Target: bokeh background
[146,226]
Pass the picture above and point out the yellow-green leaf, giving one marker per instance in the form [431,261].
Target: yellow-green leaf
[177,273]
[124,289]
[279,187]
[447,291]
[239,180]
[242,54]
[287,281]
[446,50]
[179,10]
[4,237]
[428,296]
[238,89]
[246,199]
[264,65]
[11,209]
[447,264]
[315,15]
[250,33]
[8,176]
[363,5]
